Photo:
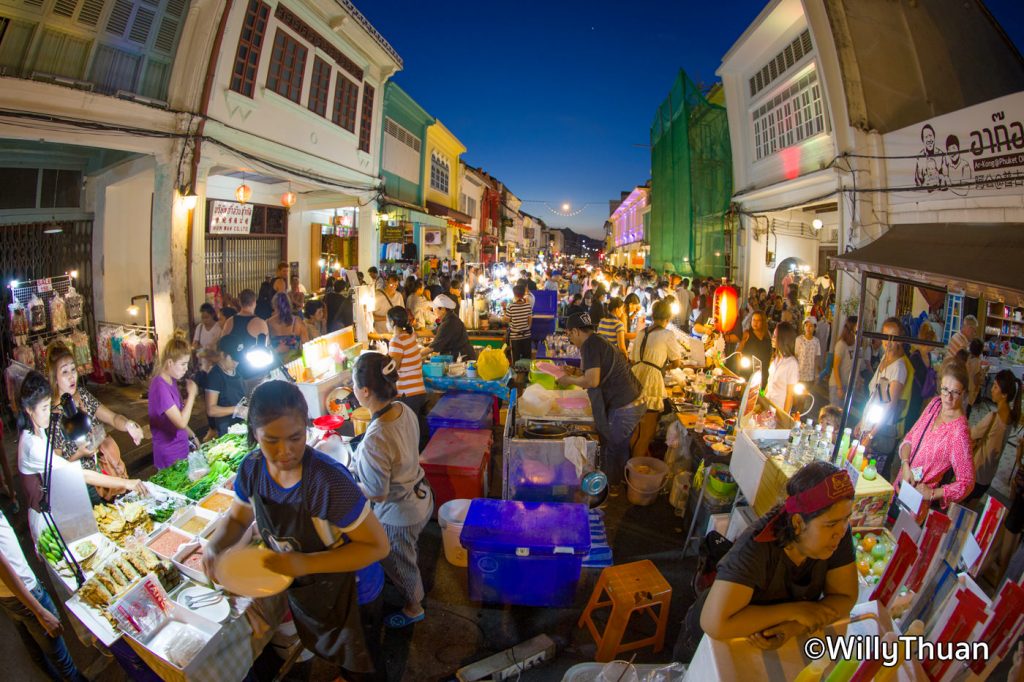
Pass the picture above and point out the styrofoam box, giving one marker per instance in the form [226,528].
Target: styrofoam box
[718,522]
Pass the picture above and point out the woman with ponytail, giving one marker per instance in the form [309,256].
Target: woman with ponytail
[168,412]
[387,465]
[989,436]
[405,350]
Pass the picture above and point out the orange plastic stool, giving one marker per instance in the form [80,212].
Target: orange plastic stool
[637,586]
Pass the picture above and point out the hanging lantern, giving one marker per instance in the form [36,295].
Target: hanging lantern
[726,308]
[243,193]
[288,199]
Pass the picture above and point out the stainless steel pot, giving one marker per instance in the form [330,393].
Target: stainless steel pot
[729,387]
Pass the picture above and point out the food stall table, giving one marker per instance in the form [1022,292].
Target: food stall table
[762,480]
[737,660]
[542,354]
[497,387]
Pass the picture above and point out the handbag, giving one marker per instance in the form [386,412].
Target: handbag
[109,462]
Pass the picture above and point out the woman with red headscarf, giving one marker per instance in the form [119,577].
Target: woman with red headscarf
[790,574]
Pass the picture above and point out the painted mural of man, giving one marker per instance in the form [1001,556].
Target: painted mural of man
[958,169]
[931,162]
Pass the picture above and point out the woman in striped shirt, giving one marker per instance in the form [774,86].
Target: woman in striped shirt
[612,328]
[405,350]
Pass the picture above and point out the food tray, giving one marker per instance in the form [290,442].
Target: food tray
[193,520]
[183,553]
[212,504]
[155,540]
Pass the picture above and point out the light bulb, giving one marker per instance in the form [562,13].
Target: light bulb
[133,310]
[817,224]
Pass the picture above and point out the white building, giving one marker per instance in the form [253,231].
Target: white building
[820,92]
[148,103]
[471,197]
[627,241]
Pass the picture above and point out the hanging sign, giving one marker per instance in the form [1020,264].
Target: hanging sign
[976,151]
[392,234]
[230,217]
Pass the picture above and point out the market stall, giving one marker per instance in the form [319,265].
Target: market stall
[141,563]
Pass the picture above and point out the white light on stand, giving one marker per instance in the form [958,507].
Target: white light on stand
[817,224]
[259,357]
[874,413]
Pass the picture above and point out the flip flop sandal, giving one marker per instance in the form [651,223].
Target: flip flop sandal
[399,620]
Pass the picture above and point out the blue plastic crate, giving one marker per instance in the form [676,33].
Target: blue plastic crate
[462,411]
[526,553]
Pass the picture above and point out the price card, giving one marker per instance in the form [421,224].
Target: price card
[44,285]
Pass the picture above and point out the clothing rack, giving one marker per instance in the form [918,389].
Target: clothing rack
[127,352]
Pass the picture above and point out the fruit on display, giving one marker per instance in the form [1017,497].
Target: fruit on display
[50,546]
[874,551]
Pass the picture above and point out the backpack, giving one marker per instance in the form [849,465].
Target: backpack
[713,549]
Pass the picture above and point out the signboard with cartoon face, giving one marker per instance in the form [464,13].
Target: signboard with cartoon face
[977,151]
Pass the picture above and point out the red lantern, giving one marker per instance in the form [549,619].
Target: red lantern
[243,193]
[288,199]
[727,308]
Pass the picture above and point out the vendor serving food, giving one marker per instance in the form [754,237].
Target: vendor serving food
[791,573]
[310,512]
[451,337]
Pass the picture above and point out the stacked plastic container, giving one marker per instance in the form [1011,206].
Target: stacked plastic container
[545,315]
[462,411]
[525,553]
[457,462]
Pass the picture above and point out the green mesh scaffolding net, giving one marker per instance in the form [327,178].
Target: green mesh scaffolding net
[691,182]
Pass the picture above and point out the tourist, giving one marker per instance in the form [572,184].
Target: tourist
[168,413]
[287,331]
[784,370]
[654,351]
[989,436]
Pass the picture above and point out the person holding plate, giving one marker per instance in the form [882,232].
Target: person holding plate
[312,515]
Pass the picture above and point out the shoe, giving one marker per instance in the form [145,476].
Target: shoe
[398,620]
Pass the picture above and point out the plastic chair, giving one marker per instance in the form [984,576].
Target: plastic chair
[637,586]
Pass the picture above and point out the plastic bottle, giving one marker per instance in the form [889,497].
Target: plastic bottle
[843,671]
[813,671]
[844,445]
[854,444]
[795,439]
[702,414]
[870,472]
[858,457]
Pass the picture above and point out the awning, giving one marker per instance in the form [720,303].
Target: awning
[398,203]
[984,260]
[435,208]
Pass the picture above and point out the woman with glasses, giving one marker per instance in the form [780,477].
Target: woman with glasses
[935,457]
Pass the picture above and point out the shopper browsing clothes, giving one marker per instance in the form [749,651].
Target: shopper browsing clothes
[613,391]
[387,465]
[311,513]
[789,575]
[99,452]
[168,412]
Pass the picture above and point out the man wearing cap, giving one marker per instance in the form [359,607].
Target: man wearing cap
[613,390]
[225,389]
[451,337]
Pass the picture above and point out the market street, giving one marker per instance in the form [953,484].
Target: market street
[441,341]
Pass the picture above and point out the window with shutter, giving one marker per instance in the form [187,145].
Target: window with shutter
[117,23]
[90,13]
[141,25]
[319,87]
[155,79]
[287,65]
[61,54]
[14,44]
[366,118]
[114,69]
[250,45]
[346,93]
[65,8]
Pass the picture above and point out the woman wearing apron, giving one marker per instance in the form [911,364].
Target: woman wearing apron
[310,511]
[388,466]
[651,354]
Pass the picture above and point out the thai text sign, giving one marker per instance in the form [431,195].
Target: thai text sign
[230,217]
[977,151]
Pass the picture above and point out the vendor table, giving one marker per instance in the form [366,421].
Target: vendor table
[498,387]
[737,660]
[762,480]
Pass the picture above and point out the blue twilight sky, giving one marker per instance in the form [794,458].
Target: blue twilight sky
[550,97]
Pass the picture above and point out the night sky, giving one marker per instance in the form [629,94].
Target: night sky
[551,97]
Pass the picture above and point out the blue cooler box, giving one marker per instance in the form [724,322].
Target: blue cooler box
[526,553]
[462,411]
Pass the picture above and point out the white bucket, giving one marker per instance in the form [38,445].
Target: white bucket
[644,478]
[451,516]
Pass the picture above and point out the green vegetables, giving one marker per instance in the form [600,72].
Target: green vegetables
[50,546]
[174,477]
[204,485]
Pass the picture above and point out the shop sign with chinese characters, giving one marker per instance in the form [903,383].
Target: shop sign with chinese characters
[230,217]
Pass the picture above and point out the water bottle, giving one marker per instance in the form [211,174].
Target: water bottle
[811,448]
[702,413]
[795,439]
[844,446]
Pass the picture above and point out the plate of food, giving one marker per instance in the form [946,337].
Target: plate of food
[711,440]
[241,571]
[84,550]
[722,448]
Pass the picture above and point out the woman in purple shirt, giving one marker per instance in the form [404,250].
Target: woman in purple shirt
[168,413]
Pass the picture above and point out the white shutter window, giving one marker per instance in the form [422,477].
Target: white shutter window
[90,13]
[16,39]
[114,69]
[65,8]
[61,54]
[141,25]
[117,23]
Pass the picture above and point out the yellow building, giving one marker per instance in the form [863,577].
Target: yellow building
[441,190]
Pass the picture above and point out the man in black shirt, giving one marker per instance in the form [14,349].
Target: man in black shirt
[225,388]
[613,390]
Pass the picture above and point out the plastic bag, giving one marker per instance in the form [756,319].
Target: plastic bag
[536,401]
[36,314]
[73,301]
[491,364]
[58,313]
[19,321]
